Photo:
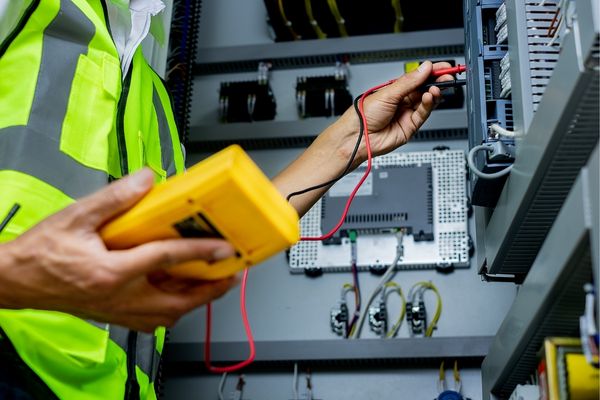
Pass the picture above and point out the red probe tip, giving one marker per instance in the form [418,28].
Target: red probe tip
[449,71]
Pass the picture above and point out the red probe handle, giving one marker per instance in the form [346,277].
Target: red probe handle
[449,71]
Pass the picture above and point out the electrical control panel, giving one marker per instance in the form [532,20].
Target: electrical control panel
[392,197]
[485,49]
[423,193]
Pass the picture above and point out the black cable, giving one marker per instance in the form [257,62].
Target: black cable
[348,166]
[9,216]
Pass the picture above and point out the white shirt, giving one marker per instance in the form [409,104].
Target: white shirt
[129,22]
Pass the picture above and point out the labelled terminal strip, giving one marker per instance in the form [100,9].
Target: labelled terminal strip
[544,36]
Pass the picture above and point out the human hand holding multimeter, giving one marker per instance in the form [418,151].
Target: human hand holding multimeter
[225,196]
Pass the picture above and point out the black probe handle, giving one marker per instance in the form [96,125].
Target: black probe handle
[443,85]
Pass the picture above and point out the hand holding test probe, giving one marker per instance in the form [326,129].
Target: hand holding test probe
[447,84]
[384,118]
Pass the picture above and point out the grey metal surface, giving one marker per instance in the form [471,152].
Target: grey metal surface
[594,212]
[310,127]
[562,134]
[333,350]
[532,56]
[283,306]
[519,64]
[366,384]
[551,299]
[294,309]
[310,53]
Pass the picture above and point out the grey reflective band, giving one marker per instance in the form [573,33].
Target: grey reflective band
[147,357]
[33,153]
[145,353]
[34,149]
[65,39]
[118,334]
[166,142]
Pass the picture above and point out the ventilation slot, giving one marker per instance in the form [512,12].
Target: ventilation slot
[571,155]
[330,59]
[369,218]
[304,141]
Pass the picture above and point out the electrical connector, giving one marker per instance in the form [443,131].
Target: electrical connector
[416,317]
[338,319]
[378,317]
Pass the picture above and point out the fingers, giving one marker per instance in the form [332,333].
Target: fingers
[154,307]
[420,115]
[95,209]
[404,85]
[163,254]
[443,78]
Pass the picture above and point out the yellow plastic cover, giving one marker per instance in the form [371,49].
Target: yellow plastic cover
[227,196]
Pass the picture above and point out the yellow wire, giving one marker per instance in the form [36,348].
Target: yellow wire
[350,287]
[438,308]
[399,16]
[397,289]
[338,17]
[313,21]
[286,21]
[456,373]
[442,372]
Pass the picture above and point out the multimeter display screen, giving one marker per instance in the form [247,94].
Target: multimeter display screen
[196,226]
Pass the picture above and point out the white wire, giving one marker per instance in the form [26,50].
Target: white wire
[222,386]
[295,382]
[500,131]
[387,276]
[483,175]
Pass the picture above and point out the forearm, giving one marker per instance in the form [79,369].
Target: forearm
[325,159]
[8,267]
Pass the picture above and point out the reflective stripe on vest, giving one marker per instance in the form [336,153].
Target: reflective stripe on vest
[22,147]
[147,357]
[42,149]
[168,162]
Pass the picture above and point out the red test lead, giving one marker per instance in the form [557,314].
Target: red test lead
[449,71]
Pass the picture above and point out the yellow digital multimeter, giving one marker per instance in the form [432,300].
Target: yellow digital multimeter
[226,196]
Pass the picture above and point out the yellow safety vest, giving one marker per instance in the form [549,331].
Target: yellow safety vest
[69,124]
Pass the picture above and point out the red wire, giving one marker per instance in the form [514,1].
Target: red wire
[449,71]
[365,175]
[247,328]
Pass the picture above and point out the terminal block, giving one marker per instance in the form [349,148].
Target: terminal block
[416,316]
[378,318]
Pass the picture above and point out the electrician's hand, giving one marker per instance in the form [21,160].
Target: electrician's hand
[62,264]
[394,113]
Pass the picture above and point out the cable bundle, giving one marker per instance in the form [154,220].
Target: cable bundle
[505,81]
[501,27]
[319,19]
[183,45]
[429,15]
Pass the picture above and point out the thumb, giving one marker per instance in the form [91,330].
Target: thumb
[406,84]
[114,199]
